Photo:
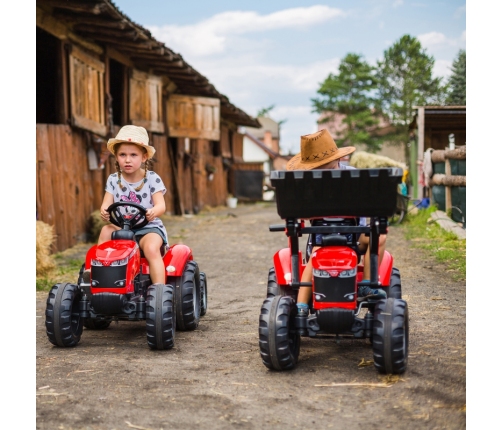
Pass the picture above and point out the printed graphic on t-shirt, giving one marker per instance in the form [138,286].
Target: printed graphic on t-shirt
[133,198]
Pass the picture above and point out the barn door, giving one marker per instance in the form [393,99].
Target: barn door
[193,117]
[87,92]
[145,101]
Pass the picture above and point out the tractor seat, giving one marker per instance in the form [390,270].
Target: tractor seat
[129,235]
[123,235]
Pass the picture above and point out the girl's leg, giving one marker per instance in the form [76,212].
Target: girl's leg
[304,293]
[364,246]
[150,244]
[106,233]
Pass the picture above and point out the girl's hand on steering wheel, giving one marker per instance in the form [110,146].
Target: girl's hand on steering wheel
[150,214]
[105,216]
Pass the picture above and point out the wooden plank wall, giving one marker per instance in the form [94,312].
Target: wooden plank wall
[162,166]
[208,191]
[67,191]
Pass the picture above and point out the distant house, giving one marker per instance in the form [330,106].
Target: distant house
[261,149]
[337,128]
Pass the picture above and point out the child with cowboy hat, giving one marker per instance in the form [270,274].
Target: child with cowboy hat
[319,151]
[133,183]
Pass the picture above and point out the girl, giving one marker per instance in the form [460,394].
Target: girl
[132,183]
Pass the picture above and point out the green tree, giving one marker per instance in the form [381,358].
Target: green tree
[457,82]
[265,111]
[351,93]
[405,80]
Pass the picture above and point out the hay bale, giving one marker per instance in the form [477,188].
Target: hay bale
[95,225]
[366,160]
[45,238]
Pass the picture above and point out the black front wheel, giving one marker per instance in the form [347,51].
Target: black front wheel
[395,284]
[390,336]
[278,338]
[160,316]
[63,322]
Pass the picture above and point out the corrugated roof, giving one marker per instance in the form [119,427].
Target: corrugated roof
[104,23]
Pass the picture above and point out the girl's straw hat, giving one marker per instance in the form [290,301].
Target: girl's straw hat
[132,134]
[317,149]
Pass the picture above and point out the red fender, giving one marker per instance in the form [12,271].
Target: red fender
[176,258]
[385,269]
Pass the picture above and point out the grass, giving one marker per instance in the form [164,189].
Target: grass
[445,246]
[67,271]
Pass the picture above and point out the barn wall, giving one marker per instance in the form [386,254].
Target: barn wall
[67,191]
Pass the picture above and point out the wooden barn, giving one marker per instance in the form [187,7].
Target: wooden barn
[96,71]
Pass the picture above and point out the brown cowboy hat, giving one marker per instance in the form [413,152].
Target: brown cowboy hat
[317,149]
[132,134]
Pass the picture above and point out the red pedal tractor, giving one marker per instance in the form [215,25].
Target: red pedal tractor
[331,199]
[120,288]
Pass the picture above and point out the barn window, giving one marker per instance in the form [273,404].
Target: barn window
[87,92]
[193,117]
[145,104]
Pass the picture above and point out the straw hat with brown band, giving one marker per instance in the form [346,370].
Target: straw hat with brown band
[317,149]
[131,134]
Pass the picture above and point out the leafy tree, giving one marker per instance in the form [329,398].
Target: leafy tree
[405,80]
[457,81]
[351,93]
[265,111]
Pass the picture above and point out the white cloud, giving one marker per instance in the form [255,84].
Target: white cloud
[442,68]
[435,41]
[232,75]
[432,39]
[397,3]
[211,36]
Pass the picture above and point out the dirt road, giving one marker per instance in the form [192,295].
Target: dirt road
[214,377]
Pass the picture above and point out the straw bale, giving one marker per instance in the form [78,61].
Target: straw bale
[45,238]
[366,160]
[95,225]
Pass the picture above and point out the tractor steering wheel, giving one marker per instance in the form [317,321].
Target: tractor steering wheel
[127,219]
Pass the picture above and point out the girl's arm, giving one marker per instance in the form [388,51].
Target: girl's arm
[159,206]
[107,201]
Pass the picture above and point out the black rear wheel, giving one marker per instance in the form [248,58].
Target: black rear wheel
[390,336]
[274,289]
[278,339]
[63,323]
[395,284]
[203,294]
[160,316]
[188,298]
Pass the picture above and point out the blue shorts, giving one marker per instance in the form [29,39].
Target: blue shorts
[142,231]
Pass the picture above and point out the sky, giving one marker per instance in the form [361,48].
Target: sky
[264,53]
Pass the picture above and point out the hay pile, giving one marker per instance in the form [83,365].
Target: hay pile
[95,225]
[45,239]
[366,160]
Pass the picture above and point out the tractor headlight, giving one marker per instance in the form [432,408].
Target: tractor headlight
[321,273]
[96,263]
[348,273]
[120,262]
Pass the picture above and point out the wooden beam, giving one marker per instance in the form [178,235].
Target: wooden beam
[93,8]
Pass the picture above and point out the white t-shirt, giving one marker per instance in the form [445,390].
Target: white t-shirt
[142,197]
